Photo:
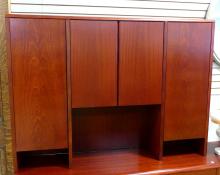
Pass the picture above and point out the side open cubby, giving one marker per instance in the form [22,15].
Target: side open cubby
[42,158]
[186,146]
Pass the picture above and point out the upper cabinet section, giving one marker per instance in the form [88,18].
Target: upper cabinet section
[187,80]
[38,75]
[94,63]
[140,62]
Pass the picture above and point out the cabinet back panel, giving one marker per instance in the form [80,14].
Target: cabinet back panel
[39,83]
[99,129]
[140,62]
[94,63]
[187,80]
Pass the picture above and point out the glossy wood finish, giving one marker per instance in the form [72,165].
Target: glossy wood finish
[204,172]
[93,63]
[111,72]
[163,97]
[153,145]
[140,63]
[131,162]
[101,129]
[187,80]
[38,58]
[69,96]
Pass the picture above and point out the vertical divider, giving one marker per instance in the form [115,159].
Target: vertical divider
[165,37]
[118,61]
[69,104]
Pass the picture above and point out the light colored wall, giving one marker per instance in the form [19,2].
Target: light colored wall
[214,10]
[215,101]
[133,8]
[6,167]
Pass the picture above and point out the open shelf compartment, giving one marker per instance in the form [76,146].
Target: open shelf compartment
[117,128]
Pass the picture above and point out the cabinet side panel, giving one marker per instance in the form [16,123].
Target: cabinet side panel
[140,66]
[187,80]
[94,63]
[38,51]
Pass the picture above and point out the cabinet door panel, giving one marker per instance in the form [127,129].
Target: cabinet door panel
[94,63]
[38,62]
[140,65]
[187,80]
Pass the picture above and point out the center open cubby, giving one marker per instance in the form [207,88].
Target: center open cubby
[104,129]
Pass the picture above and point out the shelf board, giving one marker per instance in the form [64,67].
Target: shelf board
[129,162]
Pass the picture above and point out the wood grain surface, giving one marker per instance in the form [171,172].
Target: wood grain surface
[38,50]
[93,63]
[140,63]
[94,66]
[132,162]
[69,96]
[101,129]
[204,172]
[187,80]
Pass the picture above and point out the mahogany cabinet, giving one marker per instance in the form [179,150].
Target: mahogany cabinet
[93,84]
[140,62]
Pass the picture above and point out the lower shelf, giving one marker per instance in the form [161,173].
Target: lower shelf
[124,162]
[133,162]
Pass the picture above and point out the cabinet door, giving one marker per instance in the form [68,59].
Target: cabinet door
[38,62]
[140,63]
[93,63]
[187,80]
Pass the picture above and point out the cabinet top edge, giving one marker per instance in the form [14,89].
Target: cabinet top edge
[106,18]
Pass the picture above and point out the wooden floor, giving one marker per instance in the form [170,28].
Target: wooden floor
[126,162]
